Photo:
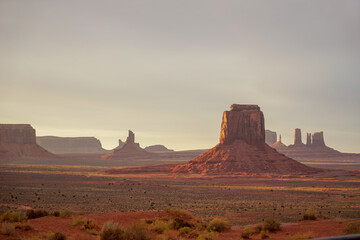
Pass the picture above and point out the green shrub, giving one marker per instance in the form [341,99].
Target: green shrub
[309,214]
[57,236]
[300,236]
[271,224]
[159,226]
[7,228]
[218,225]
[178,223]
[264,234]
[352,228]
[12,216]
[184,231]
[78,221]
[31,214]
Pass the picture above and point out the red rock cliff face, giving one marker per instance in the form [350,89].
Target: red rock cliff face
[17,134]
[245,122]
[19,141]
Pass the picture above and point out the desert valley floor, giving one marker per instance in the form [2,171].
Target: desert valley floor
[86,186]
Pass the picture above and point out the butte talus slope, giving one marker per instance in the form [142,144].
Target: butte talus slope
[242,148]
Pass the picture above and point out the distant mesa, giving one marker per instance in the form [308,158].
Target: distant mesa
[242,148]
[19,141]
[130,149]
[270,137]
[315,148]
[158,148]
[64,145]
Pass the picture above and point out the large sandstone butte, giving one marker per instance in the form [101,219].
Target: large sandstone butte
[63,145]
[242,148]
[19,141]
[270,137]
[129,150]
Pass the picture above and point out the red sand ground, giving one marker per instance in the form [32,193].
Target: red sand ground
[319,228]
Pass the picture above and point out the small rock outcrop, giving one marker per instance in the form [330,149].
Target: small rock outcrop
[278,145]
[158,148]
[130,150]
[19,141]
[242,148]
[65,145]
[270,137]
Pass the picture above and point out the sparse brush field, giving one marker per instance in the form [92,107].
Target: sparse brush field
[242,200]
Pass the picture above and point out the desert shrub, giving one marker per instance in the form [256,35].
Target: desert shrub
[179,213]
[77,221]
[178,223]
[159,226]
[57,236]
[271,224]
[7,228]
[109,225]
[258,228]
[352,228]
[300,236]
[112,234]
[24,227]
[12,216]
[66,213]
[309,214]
[31,214]
[90,224]
[56,214]
[264,234]
[207,236]
[137,231]
[218,225]
[184,231]
[247,232]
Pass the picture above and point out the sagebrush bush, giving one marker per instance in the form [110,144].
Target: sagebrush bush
[309,214]
[159,226]
[271,224]
[57,236]
[207,236]
[300,236]
[218,225]
[112,234]
[178,223]
[7,228]
[179,213]
[137,231]
[352,228]
[264,234]
[31,214]
[90,224]
[184,231]
[12,216]
[77,221]
[247,232]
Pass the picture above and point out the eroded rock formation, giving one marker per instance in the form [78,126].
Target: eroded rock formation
[308,139]
[270,137]
[297,137]
[242,148]
[63,145]
[318,139]
[19,141]
[129,150]
[278,144]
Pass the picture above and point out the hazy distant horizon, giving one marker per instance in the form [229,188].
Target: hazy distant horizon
[168,69]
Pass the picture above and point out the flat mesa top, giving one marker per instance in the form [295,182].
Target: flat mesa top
[14,126]
[244,107]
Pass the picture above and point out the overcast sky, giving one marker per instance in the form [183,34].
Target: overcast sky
[168,69]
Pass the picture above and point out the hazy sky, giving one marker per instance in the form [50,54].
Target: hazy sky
[168,69]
